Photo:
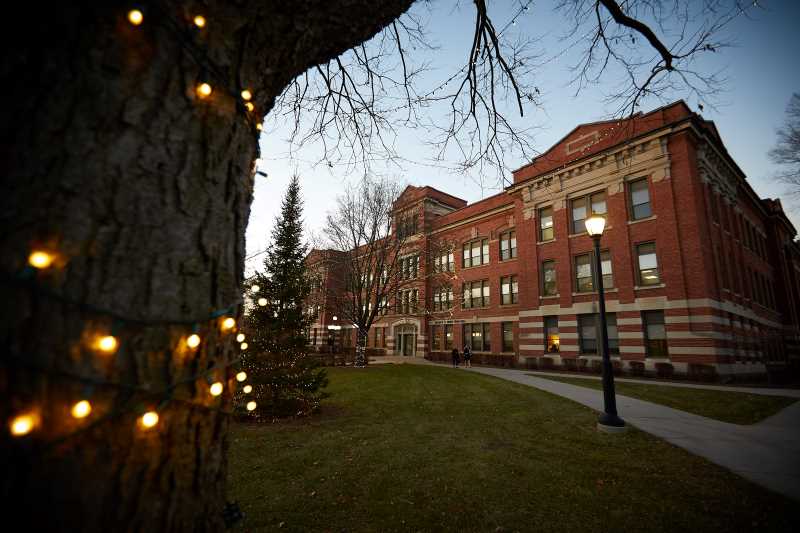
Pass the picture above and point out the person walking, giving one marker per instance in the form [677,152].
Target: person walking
[467,357]
[455,357]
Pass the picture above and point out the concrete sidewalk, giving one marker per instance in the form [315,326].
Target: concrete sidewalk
[765,391]
[767,453]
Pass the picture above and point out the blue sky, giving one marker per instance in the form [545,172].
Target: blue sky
[761,71]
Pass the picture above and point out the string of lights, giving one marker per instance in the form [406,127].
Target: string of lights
[107,343]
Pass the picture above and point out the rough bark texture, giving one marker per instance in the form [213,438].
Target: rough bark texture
[109,159]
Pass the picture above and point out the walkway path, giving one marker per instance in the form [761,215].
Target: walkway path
[767,453]
[764,391]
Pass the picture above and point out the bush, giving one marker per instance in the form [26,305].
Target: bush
[702,372]
[665,370]
[569,364]
[636,368]
[583,365]
[546,363]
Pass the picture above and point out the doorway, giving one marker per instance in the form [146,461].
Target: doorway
[406,336]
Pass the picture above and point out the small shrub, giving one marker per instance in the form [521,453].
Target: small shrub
[665,370]
[569,364]
[702,372]
[636,368]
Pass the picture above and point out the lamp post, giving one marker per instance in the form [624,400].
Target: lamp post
[333,328]
[609,421]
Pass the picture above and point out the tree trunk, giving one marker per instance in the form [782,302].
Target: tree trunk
[361,359]
[142,190]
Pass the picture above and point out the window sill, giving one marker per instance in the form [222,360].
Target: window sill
[509,259]
[652,217]
[550,297]
[589,293]
[475,308]
[645,287]
[514,304]
[547,241]
[475,266]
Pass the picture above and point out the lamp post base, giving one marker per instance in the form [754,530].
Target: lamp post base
[608,423]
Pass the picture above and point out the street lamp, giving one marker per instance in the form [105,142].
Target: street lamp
[333,328]
[608,421]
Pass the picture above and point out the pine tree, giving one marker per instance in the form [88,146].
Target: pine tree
[285,381]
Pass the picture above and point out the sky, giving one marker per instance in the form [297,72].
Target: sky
[760,71]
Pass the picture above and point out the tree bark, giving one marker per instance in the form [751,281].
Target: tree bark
[111,161]
[361,359]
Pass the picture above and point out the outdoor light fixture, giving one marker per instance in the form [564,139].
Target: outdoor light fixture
[228,323]
[249,105]
[193,341]
[149,419]
[609,421]
[204,90]
[251,406]
[240,337]
[243,346]
[135,17]
[247,389]
[22,424]
[200,21]
[241,376]
[595,225]
[215,389]
[246,95]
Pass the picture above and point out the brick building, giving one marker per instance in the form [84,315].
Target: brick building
[701,274]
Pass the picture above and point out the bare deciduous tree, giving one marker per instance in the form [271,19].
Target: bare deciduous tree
[787,150]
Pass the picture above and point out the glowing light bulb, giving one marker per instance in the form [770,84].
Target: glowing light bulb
[193,341]
[246,95]
[255,288]
[240,337]
[249,106]
[241,376]
[243,346]
[135,17]
[108,344]
[247,389]
[200,21]
[22,424]
[39,259]
[228,323]
[149,419]
[251,406]
[204,90]
[259,127]
[215,389]
[81,409]
[262,302]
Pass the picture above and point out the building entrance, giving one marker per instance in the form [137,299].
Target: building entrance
[406,339]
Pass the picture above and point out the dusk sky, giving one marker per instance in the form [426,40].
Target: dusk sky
[761,71]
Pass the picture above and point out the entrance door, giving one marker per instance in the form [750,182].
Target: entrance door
[406,336]
[409,344]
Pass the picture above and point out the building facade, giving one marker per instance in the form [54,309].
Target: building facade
[700,274]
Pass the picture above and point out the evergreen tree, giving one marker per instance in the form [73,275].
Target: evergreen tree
[285,381]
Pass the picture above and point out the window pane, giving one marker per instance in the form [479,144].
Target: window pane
[578,215]
[467,262]
[641,211]
[605,266]
[583,273]
[552,339]
[648,264]
[448,337]
[549,287]
[640,199]
[599,203]
[485,258]
[546,224]
[508,337]
[613,336]
[655,334]
[588,333]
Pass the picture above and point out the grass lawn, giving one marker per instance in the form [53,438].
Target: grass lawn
[733,407]
[419,448]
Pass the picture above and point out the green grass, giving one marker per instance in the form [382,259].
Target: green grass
[733,407]
[418,448]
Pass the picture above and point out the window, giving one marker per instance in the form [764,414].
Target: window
[648,264]
[508,290]
[508,245]
[407,301]
[443,298]
[552,340]
[409,267]
[546,224]
[436,336]
[476,294]
[448,337]
[655,334]
[640,199]
[589,337]
[582,208]
[445,262]
[476,253]
[476,336]
[549,287]
[508,336]
[584,277]
[407,226]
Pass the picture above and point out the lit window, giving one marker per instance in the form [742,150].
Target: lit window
[549,286]
[509,290]
[655,334]
[508,336]
[551,337]
[648,264]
